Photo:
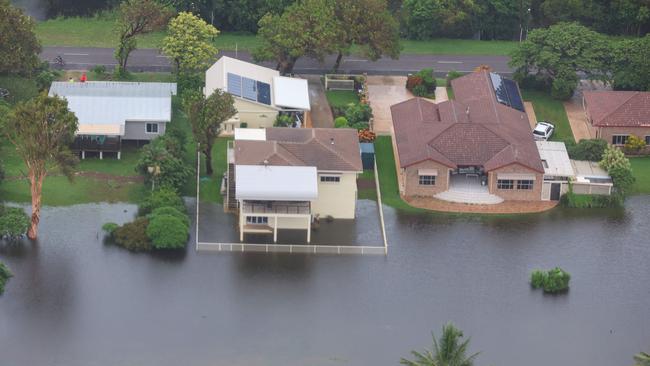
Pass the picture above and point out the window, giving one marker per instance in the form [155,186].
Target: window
[647,140]
[152,128]
[619,139]
[525,184]
[257,220]
[427,180]
[330,178]
[505,183]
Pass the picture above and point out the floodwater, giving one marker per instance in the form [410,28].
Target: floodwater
[75,301]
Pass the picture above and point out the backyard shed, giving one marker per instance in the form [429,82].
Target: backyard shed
[367,155]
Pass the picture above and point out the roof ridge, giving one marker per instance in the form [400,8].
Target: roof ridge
[277,143]
[334,152]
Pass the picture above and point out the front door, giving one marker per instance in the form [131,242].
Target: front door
[555,191]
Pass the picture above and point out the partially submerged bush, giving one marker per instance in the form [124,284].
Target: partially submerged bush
[167,232]
[5,275]
[552,281]
[14,222]
[110,227]
[133,235]
[170,211]
[163,197]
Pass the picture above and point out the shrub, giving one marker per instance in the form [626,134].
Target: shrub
[591,149]
[283,120]
[552,281]
[170,211]
[188,83]
[133,235]
[99,71]
[14,222]
[167,232]
[110,227]
[634,144]
[428,79]
[420,91]
[5,275]
[366,135]
[243,125]
[412,81]
[171,171]
[163,197]
[341,122]
[453,74]
[45,78]
[358,113]
[614,157]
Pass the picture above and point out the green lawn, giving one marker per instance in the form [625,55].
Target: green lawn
[20,88]
[341,98]
[641,171]
[99,32]
[550,110]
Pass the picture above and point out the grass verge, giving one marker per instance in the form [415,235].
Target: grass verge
[550,110]
[341,98]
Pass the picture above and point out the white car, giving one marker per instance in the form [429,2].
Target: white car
[543,131]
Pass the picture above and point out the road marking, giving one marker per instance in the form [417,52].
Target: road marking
[76,54]
[355,60]
[163,56]
[450,62]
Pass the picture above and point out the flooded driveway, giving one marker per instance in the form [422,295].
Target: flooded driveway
[75,301]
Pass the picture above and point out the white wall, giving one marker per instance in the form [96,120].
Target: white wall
[336,199]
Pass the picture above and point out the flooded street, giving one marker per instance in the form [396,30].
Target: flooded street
[76,301]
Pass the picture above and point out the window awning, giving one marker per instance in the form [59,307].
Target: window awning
[275,183]
[428,172]
[515,176]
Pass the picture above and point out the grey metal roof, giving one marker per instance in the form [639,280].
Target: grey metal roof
[111,102]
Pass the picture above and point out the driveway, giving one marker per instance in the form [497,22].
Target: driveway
[580,127]
[383,92]
[321,114]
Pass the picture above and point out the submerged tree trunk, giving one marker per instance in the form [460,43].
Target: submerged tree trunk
[36,187]
[337,64]
[208,159]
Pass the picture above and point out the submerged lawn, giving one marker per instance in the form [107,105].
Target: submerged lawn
[550,110]
[641,172]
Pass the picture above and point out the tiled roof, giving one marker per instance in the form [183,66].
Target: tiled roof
[328,149]
[473,129]
[618,108]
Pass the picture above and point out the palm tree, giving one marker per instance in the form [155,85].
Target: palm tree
[447,351]
[642,359]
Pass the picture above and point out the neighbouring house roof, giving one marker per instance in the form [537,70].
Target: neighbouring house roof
[103,107]
[618,108]
[474,129]
[257,84]
[282,183]
[555,158]
[328,149]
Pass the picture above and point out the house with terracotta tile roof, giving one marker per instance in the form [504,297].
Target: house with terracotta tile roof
[616,115]
[477,148]
[283,178]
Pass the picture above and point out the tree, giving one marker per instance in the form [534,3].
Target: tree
[19,45]
[161,166]
[424,19]
[555,55]
[369,24]
[5,275]
[41,129]
[205,116]
[447,351]
[137,17]
[189,43]
[306,28]
[14,222]
[630,66]
[642,359]
[619,168]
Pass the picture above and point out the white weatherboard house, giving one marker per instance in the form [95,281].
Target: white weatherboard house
[260,93]
[110,112]
[281,178]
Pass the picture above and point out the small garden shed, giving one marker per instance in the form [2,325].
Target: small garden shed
[367,155]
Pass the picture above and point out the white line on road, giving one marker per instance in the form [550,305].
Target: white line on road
[450,62]
[162,56]
[76,54]
[355,60]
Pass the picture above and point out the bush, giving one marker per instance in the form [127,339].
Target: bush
[572,200]
[170,211]
[5,275]
[133,235]
[14,222]
[634,144]
[552,281]
[167,232]
[420,91]
[591,149]
[428,80]
[366,135]
[169,169]
[243,125]
[45,78]
[110,227]
[412,81]
[614,157]
[283,120]
[341,122]
[163,197]
[453,74]
[99,71]
[189,83]
[356,113]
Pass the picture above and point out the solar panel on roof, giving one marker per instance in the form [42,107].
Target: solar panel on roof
[249,89]
[506,92]
[263,93]
[513,95]
[234,84]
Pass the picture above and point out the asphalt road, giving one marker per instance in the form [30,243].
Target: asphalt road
[76,58]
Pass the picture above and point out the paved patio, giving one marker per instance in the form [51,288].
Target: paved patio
[506,207]
[468,189]
[384,91]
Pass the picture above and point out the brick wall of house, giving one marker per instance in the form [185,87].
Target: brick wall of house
[514,194]
[606,133]
[411,179]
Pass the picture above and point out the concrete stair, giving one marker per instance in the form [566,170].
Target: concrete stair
[472,197]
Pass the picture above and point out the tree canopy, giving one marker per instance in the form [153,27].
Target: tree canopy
[19,45]
[631,64]
[189,43]
[448,350]
[41,129]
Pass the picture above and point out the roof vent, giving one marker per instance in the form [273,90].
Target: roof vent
[331,140]
[266,162]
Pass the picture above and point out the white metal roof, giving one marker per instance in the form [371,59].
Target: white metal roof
[257,134]
[588,169]
[114,103]
[291,93]
[555,158]
[275,183]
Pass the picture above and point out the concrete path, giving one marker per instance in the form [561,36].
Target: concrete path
[441,94]
[580,127]
[84,58]
[321,113]
[530,112]
[383,92]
